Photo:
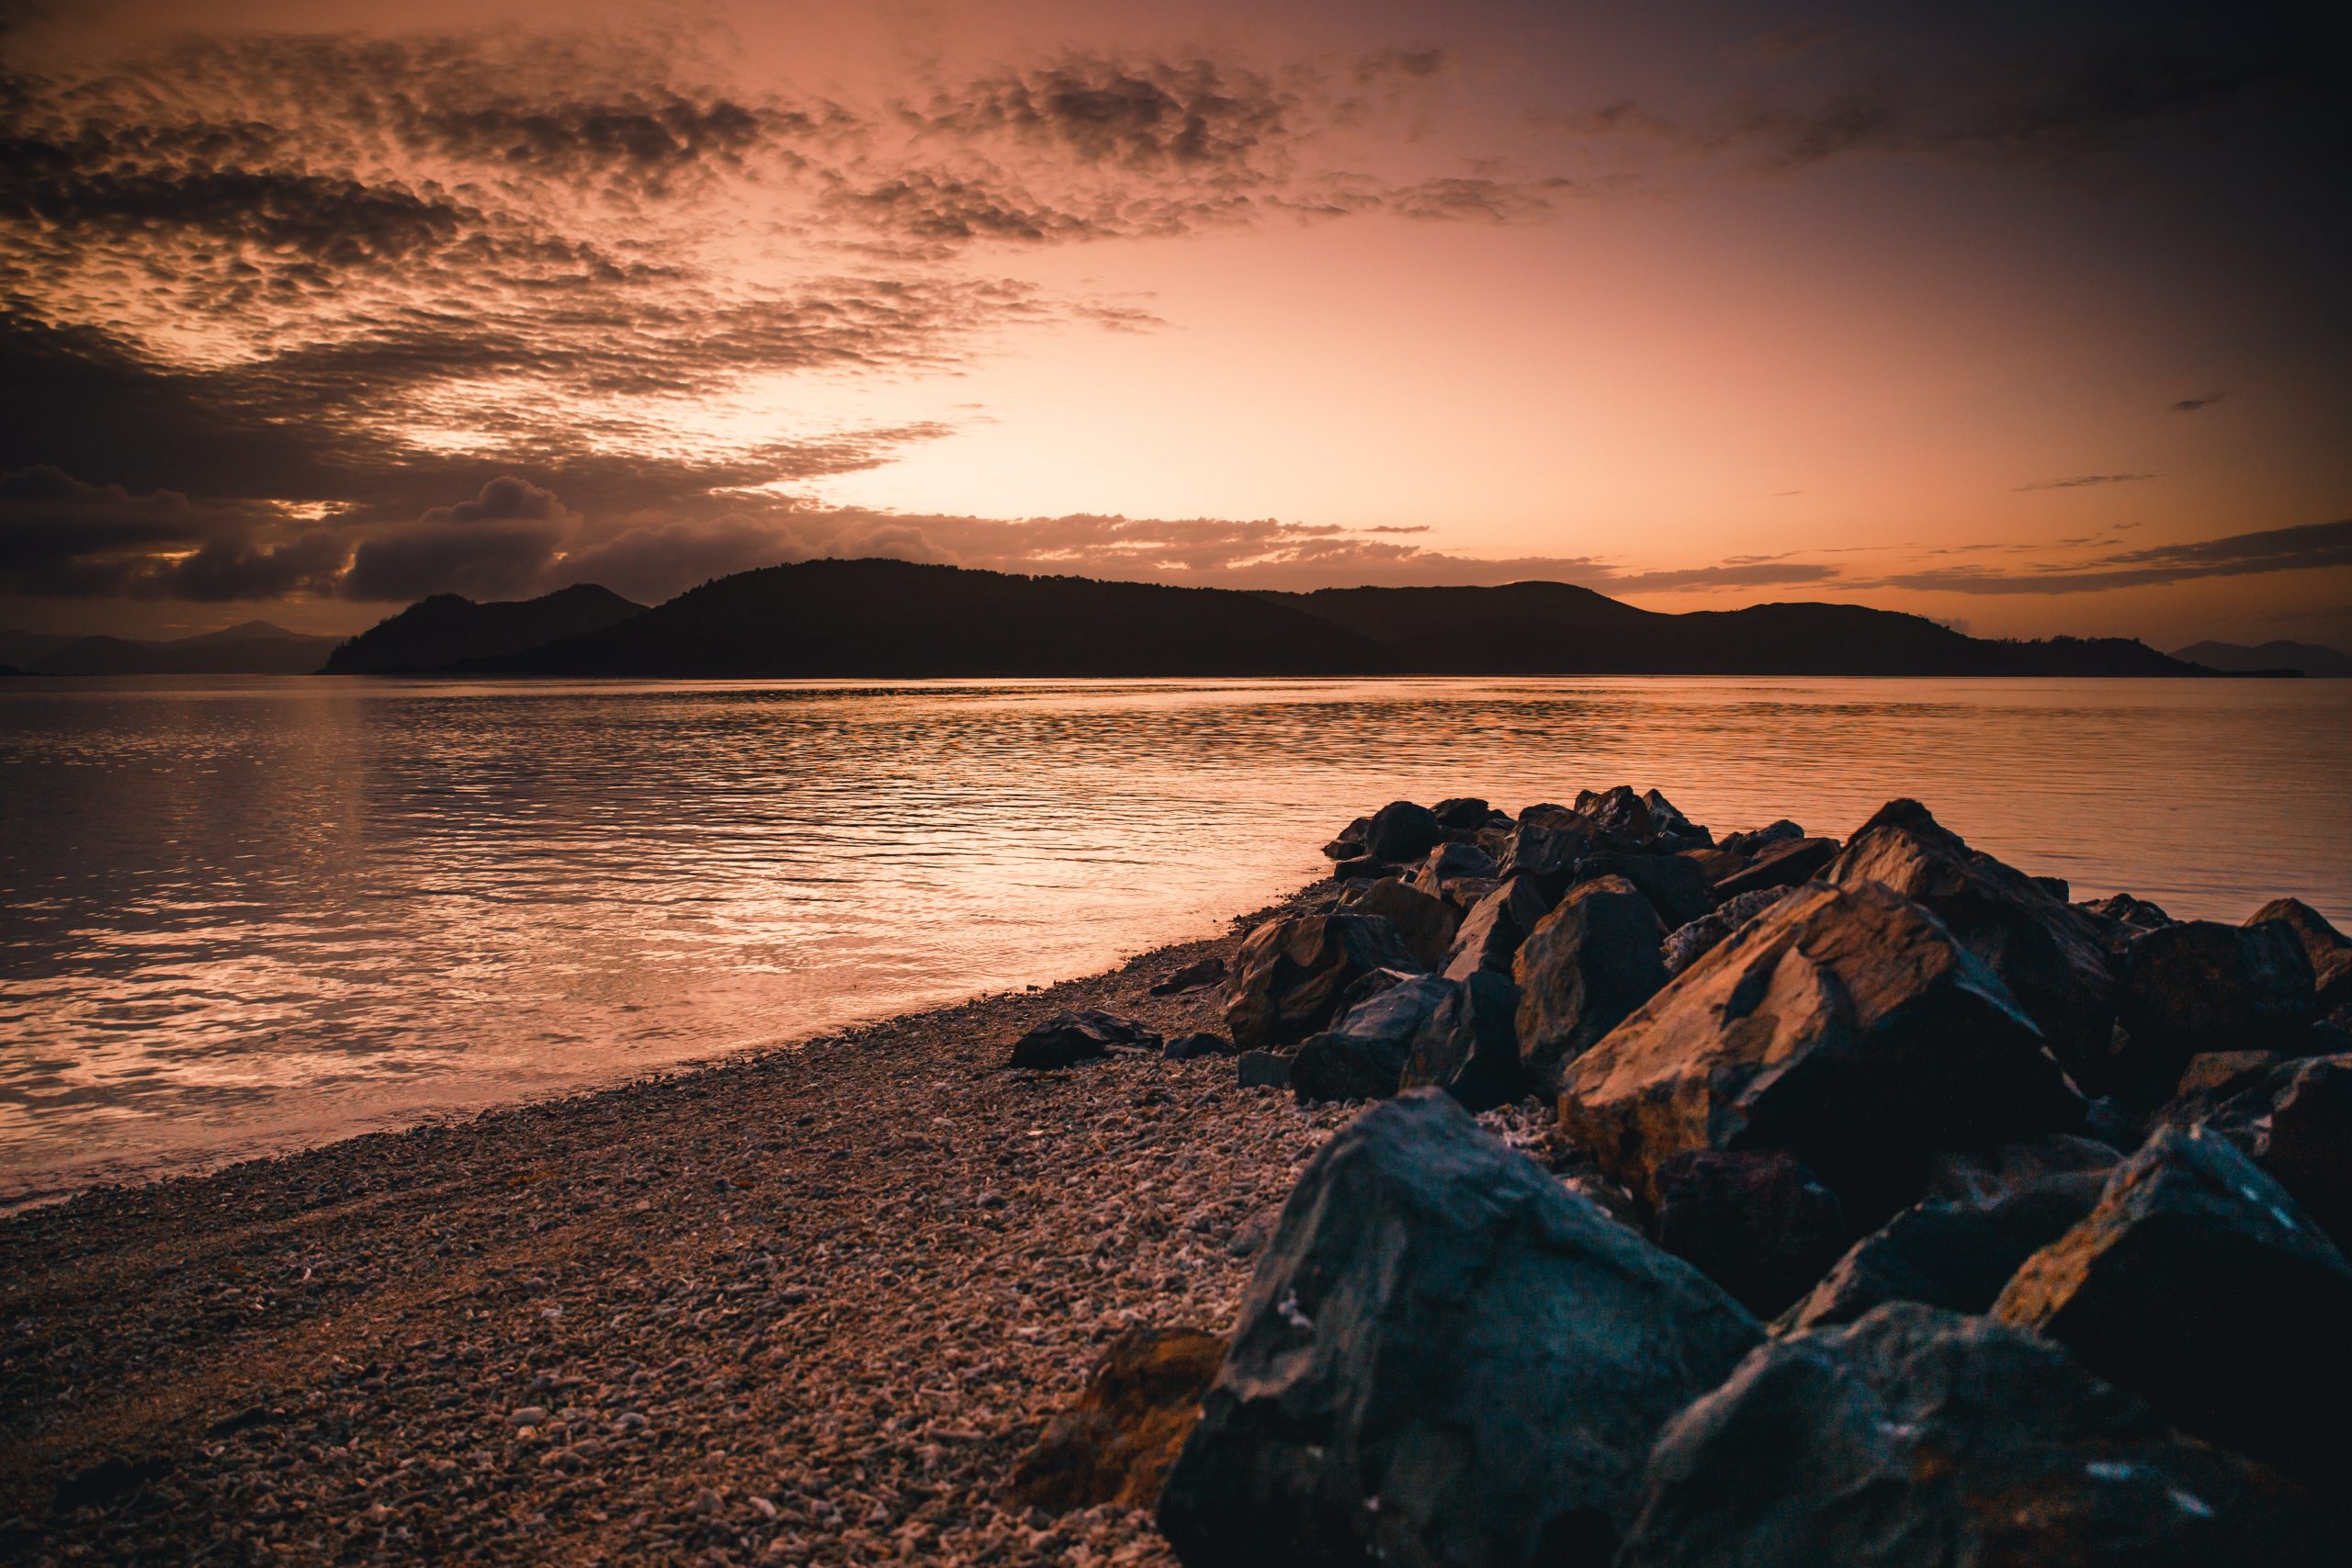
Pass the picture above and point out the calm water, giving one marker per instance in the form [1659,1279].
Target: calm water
[246,913]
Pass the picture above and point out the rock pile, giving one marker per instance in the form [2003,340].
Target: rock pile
[1902,1210]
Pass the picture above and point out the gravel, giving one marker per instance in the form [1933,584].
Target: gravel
[806,1306]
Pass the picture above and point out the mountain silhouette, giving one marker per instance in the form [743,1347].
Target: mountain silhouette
[890,618]
[448,630]
[255,648]
[2309,658]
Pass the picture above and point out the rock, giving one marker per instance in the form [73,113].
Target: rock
[2220,1074]
[2057,887]
[1715,865]
[1189,1047]
[2200,1284]
[1844,1025]
[1463,811]
[1264,1069]
[1469,1045]
[1289,973]
[1115,1445]
[1364,868]
[1758,1223]
[2295,1121]
[1445,1357]
[1349,843]
[1617,811]
[1191,977]
[1685,945]
[2329,950]
[1757,839]
[2045,953]
[1675,887]
[1401,832]
[1781,866]
[1919,1439]
[1548,850]
[1981,1178]
[1938,1255]
[1361,1056]
[1450,863]
[1585,967]
[1664,817]
[1425,921]
[1070,1037]
[1466,893]
[2198,985]
[1369,984]
[2126,910]
[1491,932]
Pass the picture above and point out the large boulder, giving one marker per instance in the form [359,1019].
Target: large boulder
[1755,840]
[1617,811]
[2045,951]
[1584,967]
[1782,864]
[2295,1120]
[1444,1358]
[1844,1025]
[1675,887]
[1463,813]
[2198,985]
[1491,932]
[1919,1438]
[1757,1222]
[1468,1045]
[2329,950]
[1686,945]
[1401,832]
[1290,974]
[2200,1284]
[1424,922]
[2035,1191]
[1068,1038]
[1362,1055]
[1939,1255]
[1451,864]
[1115,1444]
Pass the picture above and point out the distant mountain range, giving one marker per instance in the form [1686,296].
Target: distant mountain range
[896,618]
[255,648]
[446,630]
[891,618]
[2308,657]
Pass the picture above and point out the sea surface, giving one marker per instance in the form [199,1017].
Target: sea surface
[238,915]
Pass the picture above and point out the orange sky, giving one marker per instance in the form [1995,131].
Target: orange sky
[2008,320]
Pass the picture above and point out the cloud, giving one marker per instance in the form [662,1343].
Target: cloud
[2309,547]
[2079,480]
[2191,405]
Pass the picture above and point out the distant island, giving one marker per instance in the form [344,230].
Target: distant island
[893,619]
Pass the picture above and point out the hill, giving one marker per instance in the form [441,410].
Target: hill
[896,618]
[448,630]
[255,648]
[2310,657]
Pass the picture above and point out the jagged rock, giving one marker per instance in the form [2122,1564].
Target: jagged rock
[1445,1359]
[1584,967]
[2200,1285]
[1191,1047]
[1686,945]
[2329,950]
[1919,1438]
[1676,889]
[2198,985]
[1369,984]
[1361,1056]
[1463,811]
[1289,973]
[1191,977]
[1492,931]
[1755,840]
[1263,1069]
[1781,865]
[1666,819]
[1466,893]
[1715,864]
[1449,863]
[1115,1445]
[2045,953]
[1070,1037]
[1939,1255]
[1980,1179]
[1758,1223]
[2218,1075]
[2126,910]
[1401,832]
[1844,1025]
[1423,920]
[2294,1120]
[1365,868]
[1617,811]
[2057,887]
[1548,848]
[1469,1045]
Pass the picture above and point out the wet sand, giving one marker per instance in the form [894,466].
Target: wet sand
[811,1305]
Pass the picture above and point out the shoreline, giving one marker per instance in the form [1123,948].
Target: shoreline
[824,1294]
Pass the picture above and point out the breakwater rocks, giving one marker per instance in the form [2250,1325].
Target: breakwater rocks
[1896,1210]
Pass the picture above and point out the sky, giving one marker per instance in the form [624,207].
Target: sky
[2030,317]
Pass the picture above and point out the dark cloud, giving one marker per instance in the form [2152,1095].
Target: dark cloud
[2306,547]
[2079,480]
[2191,405]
